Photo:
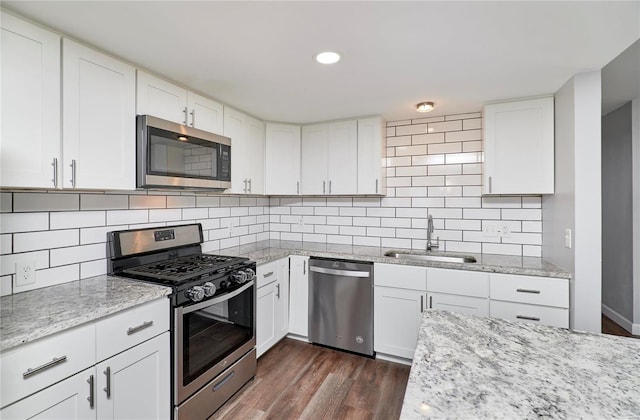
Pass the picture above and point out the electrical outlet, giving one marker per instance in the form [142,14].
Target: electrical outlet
[506,231]
[490,230]
[567,238]
[25,273]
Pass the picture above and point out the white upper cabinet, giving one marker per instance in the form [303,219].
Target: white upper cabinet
[98,125]
[329,158]
[165,100]
[282,159]
[30,139]
[518,147]
[372,142]
[247,152]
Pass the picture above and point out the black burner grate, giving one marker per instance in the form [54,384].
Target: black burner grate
[182,269]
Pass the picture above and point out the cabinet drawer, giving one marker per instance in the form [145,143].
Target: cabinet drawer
[555,317]
[400,276]
[125,329]
[526,289]
[73,351]
[266,273]
[458,282]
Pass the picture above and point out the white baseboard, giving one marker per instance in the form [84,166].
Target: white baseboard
[394,359]
[298,337]
[620,320]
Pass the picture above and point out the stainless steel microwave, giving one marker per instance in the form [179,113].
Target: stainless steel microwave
[171,155]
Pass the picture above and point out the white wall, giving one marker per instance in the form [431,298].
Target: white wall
[635,146]
[577,202]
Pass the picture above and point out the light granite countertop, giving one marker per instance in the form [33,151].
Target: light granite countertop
[28,316]
[484,368]
[266,251]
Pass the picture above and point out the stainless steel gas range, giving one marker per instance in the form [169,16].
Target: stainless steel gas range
[213,311]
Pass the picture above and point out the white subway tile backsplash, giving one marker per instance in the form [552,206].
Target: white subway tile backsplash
[463,116]
[339,220]
[353,211]
[219,212]
[27,222]
[315,201]
[93,268]
[396,243]
[33,241]
[472,169]
[411,233]
[6,246]
[465,180]
[472,146]
[531,202]
[523,238]
[228,201]
[411,191]
[339,239]
[533,227]
[427,181]
[472,124]
[381,212]
[76,219]
[398,141]
[413,129]
[353,230]
[98,234]
[531,251]
[502,202]
[339,201]
[395,222]
[409,171]
[307,210]
[501,249]
[456,246]
[427,202]
[395,202]
[427,160]
[147,202]
[472,190]
[8,262]
[491,214]
[444,169]
[314,237]
[6,202]
[180,201]
[470,135]
[463,202]
[478,236]
[366,241]
[522,214]
[229,242]
[382,232]
[122,217]
[445,191]
[76,254]
[235,211]
[439,213]
[474,157]
[328,229]
[52,276]
[427,138]
[444,126]
[396,123]
[248,220]
[399,182]
[35,202]
[463,224]
[412,150]
[366,221]
[427,120]
[400,161]
[391,131]
[6,285]
[104,202]
[165,215]
[366,202]
[437,148]
[411,212]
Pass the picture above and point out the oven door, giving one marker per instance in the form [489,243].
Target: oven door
[210,336]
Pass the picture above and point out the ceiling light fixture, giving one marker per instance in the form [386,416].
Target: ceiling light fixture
[327,57]
[425,106]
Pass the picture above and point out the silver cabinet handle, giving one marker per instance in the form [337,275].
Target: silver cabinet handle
[245,185]
[278,290]
[90,398]
[535,292]
[298,187]
[249,185]
[107,389]
[324,187]
[193,117]
[430,302]
[344,273]
[528,318]
[269,274]
[224,381]
[73,172]
[329,187]
[55,172]
[489,184]
[304,267]
[186,115]
[376,186]
[52,363]
[145,324]
[421,303]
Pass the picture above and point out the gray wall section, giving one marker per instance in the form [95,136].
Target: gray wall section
[617,212]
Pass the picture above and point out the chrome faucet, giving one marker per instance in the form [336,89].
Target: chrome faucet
[431,246]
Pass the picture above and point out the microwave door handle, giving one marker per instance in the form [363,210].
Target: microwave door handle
[217,300]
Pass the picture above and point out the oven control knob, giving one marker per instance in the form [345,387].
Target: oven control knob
[209,289]
[239,277]
[251,275]
[196,293]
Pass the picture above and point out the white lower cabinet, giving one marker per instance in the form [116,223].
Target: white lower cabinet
[299,296]
[543,315]
[272,304]
[455,303]
[75,374]
[397,316]
[67,400]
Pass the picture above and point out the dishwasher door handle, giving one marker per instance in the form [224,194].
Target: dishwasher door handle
[343,273]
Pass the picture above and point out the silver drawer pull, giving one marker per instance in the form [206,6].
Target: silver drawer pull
[269,274]
[535,292]
[528,318]
[133,330]
[224,381]
[55,361]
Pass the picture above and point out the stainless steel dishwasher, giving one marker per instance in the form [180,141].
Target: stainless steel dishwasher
[341,304]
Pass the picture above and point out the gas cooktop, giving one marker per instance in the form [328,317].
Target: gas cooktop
[182,269]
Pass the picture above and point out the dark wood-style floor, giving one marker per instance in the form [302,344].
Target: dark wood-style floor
[610,327]
[297,380]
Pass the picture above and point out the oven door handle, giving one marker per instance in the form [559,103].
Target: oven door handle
[217,300]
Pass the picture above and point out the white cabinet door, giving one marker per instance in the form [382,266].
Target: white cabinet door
[372,143]
[66,400]
[136,384]
[458,282]
[342,157]
[397,316]
[455,303]
[313,159]
[98,125]
[266,317]
[282,304]
[255,155]
[282,159]
[161,99]
[299,295]
[205,114]
[234,128]
[30,139]
[519,147]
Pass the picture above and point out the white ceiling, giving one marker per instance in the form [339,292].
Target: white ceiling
[257,56]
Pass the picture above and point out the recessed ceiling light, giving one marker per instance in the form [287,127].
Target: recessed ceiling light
[327,57]
[425,106]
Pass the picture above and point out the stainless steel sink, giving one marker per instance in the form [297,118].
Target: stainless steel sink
[422,256]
